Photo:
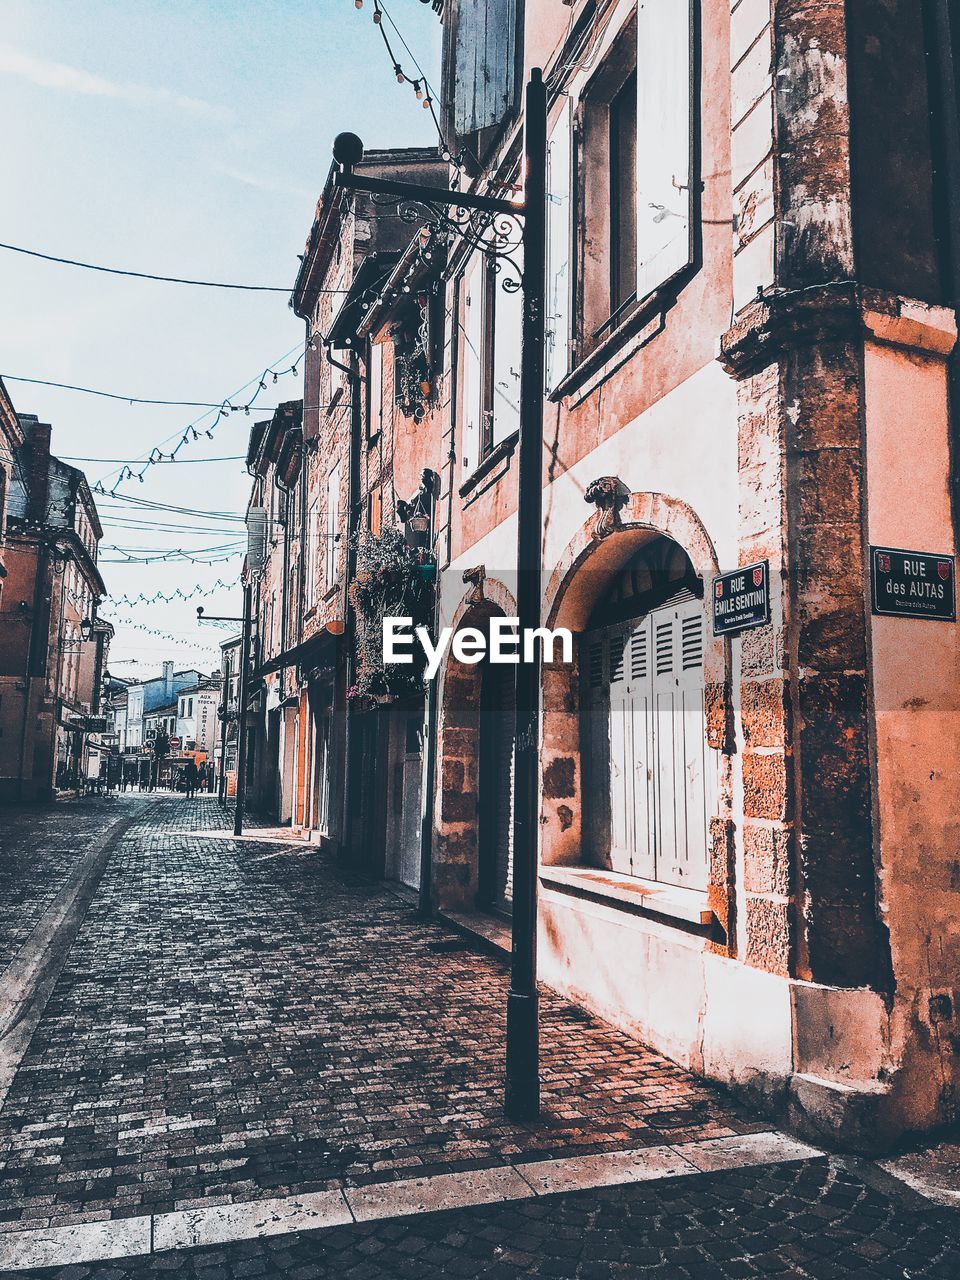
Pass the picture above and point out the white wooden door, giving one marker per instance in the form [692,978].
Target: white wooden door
[661,773]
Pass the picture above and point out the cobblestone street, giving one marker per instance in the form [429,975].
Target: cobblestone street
[237,1021]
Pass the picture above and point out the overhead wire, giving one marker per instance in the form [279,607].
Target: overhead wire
[150,275]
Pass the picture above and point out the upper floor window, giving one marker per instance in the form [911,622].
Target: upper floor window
[312,561]
[635,170]
[490,342]
[375,390]
[333,526]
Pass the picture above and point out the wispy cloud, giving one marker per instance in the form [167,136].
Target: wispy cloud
[61,76]
[260,183]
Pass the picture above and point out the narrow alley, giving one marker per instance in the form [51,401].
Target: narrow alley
[238,1022]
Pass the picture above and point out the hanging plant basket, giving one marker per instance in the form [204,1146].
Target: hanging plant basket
[392,580]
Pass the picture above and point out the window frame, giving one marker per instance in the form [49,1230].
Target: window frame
[595,336]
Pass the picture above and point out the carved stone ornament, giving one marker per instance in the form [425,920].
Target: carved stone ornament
[608,494]
[477,577]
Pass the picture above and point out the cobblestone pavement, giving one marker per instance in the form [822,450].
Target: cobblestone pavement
[39,847]
[818,1219]
[239,1019]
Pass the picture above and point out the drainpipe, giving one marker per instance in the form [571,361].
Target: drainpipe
[353,523]
[941,37]
[428,777]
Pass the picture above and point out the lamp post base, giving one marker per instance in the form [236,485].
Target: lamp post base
[522,1094]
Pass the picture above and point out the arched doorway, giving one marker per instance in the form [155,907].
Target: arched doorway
[495,788]
[649,776]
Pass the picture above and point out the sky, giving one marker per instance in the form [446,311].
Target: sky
[187,138]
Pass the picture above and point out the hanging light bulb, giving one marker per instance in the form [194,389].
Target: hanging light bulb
[401,78]
[358,4]
[417,90]
[427,103]
[274,378]
[377,16]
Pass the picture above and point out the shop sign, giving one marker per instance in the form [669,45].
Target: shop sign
[741,599]
[912,584]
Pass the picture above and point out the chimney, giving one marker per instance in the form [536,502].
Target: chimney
[167,681]
[38,480]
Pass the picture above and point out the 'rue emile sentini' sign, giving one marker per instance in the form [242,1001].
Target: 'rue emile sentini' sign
[741,599]
[912,584]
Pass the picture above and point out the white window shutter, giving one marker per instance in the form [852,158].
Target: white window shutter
[664,141]
[471,333]
[558,250]
[507,347]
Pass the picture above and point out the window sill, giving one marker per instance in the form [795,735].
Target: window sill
[644,322]
[647,897]
[501,453]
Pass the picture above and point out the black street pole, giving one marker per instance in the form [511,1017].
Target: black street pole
[242,712]
[522,1097]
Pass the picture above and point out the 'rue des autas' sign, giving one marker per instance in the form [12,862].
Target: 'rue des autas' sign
[912,584]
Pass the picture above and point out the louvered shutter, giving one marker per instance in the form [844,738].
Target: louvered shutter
[664,141]
[684,793]
[484,63]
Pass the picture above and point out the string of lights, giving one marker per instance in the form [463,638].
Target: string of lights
[163,597]
[183,462]
[149,275]
[419,83]
[191,433]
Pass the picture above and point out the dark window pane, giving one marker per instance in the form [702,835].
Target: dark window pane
[623,194]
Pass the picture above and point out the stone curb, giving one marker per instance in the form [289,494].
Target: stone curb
[87,1242]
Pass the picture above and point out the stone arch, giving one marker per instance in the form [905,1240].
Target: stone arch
[456,832]
[602,545]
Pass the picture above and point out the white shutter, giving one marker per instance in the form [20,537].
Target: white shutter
[557,354]
[507,344]
[664,141]
[471,366]
[375,391]
[685,765]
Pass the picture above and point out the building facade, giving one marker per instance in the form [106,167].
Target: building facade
[53,647]
[747,840]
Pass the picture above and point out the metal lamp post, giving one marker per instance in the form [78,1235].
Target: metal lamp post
[522,1093]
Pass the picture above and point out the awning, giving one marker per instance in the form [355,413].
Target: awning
[319,650]
[370,275]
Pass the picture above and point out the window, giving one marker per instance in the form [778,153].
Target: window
[333,526]
[649,775]
[471,364]
[636,152]
[557,355]
[491,335]
[312,561]
[189,708]
[375,390]
[375,512]
[623,188]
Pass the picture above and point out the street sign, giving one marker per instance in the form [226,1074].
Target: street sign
[176,744]
[912,584]
[741,599]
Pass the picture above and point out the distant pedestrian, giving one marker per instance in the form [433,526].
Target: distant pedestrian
[190,776]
